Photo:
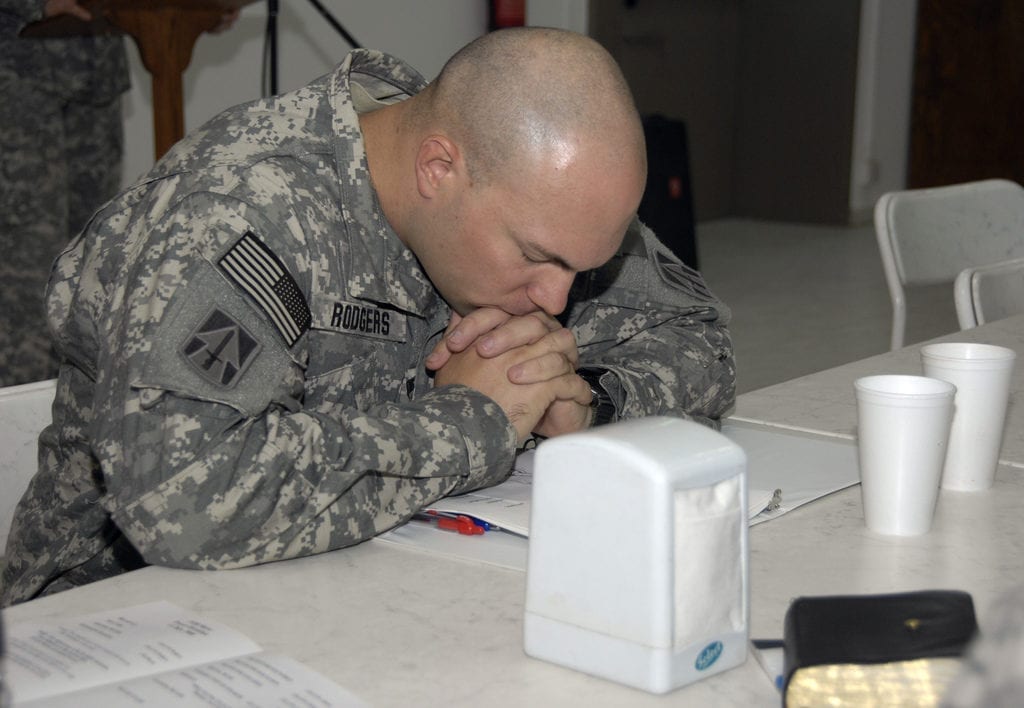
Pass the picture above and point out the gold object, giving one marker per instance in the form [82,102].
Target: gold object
[916,682]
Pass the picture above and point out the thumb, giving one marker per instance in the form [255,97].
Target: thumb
[439,356]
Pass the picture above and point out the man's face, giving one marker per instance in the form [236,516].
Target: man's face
[518,247]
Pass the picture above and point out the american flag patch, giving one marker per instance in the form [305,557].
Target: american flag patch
[256,270]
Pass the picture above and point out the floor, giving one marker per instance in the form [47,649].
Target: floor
[808,297]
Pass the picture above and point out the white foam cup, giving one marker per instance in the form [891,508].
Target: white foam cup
[902,429]
[981,374]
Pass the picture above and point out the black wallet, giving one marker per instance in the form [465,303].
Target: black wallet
[875,649]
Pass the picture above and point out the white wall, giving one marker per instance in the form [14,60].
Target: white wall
[881,132]
[568,14]
[226,68]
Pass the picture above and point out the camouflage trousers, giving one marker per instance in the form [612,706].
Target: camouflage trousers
[59,162]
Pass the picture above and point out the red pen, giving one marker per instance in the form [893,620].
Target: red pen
[462,524]
[459,523]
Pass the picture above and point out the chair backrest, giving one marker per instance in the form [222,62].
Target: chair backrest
[929,235]
[24,412]
[989,292]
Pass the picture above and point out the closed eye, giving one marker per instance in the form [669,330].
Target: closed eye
[535,253]
[538,254]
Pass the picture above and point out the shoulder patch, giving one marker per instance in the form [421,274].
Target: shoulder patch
[679,276]
[220,349]
[255,269]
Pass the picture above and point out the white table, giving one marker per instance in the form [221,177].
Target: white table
[823,402]
[399,627]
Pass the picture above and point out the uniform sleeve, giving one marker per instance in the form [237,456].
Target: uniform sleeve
[25,10]
[660,336]
[210,454]
[211,488]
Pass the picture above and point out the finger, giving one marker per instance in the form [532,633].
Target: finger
[527,414]
[474,325]
[440,354]
[564,417]
[517,332]
[70,8]
[545,367]
[549,356]
[81,13]
[227,20]
[437,358]
[571,387]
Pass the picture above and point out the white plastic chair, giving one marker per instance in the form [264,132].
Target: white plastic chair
[928,236]
[989,292]
[24,412]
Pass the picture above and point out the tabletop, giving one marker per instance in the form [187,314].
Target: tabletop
[824,402]
[398,626]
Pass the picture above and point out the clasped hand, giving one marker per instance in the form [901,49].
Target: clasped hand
[527,364]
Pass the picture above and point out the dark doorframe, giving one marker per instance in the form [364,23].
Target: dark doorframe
[967,109]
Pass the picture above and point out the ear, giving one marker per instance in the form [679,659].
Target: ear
[438,163]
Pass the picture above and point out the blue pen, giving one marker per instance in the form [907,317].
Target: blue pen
[485,525]
[465,524]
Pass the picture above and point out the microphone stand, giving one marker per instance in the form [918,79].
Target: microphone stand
[270,51]
[270,44]
[338,27]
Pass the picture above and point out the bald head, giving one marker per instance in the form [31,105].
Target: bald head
[527,165]
[518,95]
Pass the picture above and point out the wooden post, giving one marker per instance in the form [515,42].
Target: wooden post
[165,31]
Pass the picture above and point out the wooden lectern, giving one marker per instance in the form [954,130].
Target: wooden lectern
[165,32]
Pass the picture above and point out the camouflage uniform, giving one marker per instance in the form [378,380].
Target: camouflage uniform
[244,338]
[60,159]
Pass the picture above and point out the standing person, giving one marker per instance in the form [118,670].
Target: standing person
[325,310]
[60,159]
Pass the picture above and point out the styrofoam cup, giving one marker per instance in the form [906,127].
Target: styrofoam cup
[902,429]
[981,374]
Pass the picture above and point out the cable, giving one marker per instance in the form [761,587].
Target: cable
[268,74]
[268,79]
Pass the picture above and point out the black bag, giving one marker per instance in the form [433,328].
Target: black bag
[875,649]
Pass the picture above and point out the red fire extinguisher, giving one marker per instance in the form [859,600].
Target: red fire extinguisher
[506,13]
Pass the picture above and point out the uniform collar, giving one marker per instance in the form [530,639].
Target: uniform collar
[381,268]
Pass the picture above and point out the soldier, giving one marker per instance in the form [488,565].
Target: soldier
[323,311]
[60,159]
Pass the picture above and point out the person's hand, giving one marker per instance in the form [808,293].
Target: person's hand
[553,382]
[562,416]
[227,21]
[66,7]
[491,331]
[565,416]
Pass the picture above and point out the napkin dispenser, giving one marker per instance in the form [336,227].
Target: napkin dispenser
[637,568]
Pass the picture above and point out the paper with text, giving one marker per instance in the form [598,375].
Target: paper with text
[153,654]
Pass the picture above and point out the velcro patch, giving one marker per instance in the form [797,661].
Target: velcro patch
[255,269]
[363,319]
[681,277]
[220,349]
